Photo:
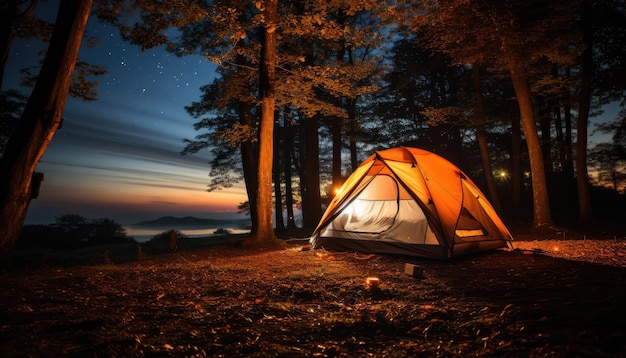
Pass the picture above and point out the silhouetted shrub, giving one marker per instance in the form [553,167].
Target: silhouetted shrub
[163,237]
[72,231]
[160,241]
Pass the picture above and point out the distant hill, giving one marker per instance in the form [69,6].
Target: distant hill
[189,222]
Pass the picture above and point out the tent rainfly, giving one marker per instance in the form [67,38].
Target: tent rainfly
[411,202]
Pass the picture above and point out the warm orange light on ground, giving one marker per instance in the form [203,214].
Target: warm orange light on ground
[372,281]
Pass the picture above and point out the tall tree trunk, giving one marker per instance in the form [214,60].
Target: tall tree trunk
[569,156]
[336,124]
[278,197]
[265,231]
[567,117]
[545,126]
[352,122]
[584,198]
[541,204]
[287,152]
[481,139]
[335,130]
[311,197]
[40,120]
[354,159]
[516,165]
[560,138]
[249,162]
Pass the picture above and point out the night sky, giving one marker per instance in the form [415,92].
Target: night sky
[119,157]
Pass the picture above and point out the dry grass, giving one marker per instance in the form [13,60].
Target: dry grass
[224,302]
[606,252]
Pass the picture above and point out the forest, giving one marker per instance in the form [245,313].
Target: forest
[506,90]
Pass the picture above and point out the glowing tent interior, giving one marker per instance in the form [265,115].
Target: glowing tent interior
[411,202]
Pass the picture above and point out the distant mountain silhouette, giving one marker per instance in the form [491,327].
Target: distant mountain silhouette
[171,222]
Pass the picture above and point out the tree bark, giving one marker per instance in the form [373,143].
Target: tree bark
[352,124]
[584,198]
[335,130]
[560,138]
[543,129]
[40,120]
[541,205]
[249,163]
[545,126]
[567,116]
[481,139]
[265,230]
[311,198]
[516,165]
[337,123]
[354,159]
[287,152]
[278,197]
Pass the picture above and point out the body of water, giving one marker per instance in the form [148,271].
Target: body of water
[145,234]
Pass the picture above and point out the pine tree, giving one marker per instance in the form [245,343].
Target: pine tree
[510,37]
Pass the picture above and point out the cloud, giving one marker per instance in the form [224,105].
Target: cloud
[120,156]
[164,202]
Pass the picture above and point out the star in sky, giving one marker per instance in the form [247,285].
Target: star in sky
[119,157]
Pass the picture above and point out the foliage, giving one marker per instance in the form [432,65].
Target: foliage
[11,107]
[81,87]
[28,27]
[244,208]
[330,65]
[309,80]
[72,231]
[225,164]
[484,32]
[160,243]
[608,160]
[222,231]
[163,237]
[609,50]
[608,166]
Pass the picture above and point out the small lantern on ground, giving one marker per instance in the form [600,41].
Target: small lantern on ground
[372,282]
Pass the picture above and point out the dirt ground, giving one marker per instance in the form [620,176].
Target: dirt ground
[558,296]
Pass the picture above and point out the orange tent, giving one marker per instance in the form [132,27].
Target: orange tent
[409,201]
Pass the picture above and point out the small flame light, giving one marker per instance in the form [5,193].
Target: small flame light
[372,281]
